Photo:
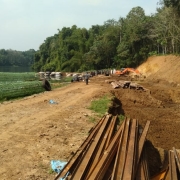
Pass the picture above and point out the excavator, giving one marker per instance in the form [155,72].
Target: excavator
[125,71]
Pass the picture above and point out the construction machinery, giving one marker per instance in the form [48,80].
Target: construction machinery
[125,71]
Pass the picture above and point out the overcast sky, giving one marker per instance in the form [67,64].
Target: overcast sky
[25,24]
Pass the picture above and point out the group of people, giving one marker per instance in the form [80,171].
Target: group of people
[85,77]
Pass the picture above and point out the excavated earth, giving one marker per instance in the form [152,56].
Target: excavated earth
[33,131]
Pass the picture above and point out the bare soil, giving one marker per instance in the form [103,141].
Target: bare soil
[33,131]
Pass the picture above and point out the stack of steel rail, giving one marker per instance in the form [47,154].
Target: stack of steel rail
[172,171]
[111,151]
[174,165]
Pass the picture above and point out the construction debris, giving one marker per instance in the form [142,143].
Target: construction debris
[110,152]
[113,152]
[127,84]
[172,170]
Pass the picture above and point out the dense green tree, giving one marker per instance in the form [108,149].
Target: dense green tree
[165,31]
[16,58]
[133,48]
[173,3]
[115,44]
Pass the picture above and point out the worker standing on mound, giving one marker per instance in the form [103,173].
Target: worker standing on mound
[86,77]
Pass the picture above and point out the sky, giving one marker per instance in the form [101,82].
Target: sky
[25,24]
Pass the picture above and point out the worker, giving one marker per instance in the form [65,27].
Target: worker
[75,78]
[86,77]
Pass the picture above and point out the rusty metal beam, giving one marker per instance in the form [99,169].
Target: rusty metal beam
[143,171]
[101,148]
[145,164]
[121,153]
[167,176]
[136,141]
[172,164]
[106,159]
[108,174]
[112,131]
[141,143]
[79,153]
[129,164]
[84,165]
[140,175]
[177,159]
[161,176]
[105,155]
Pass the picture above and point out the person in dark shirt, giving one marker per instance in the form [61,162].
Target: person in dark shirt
[86,77]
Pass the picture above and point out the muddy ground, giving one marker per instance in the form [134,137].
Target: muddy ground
[33,132]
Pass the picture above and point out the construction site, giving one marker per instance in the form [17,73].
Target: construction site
[144,145]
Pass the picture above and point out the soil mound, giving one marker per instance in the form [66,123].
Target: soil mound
[162,67]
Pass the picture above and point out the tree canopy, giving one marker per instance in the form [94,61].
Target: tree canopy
[125,42]
[16,58]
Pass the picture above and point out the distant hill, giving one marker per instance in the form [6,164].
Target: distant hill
[162,67]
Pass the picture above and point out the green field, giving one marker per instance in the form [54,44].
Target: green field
[15,85]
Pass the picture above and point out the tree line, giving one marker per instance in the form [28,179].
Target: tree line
[17,58]
[126,42]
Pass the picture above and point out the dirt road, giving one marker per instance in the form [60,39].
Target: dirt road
[33,131]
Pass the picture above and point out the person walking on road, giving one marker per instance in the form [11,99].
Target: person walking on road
[86,77]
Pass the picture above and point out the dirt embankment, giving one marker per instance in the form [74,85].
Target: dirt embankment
[33,131]
[162,68]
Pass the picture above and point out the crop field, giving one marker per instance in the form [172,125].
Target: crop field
[6,76]
[14,85]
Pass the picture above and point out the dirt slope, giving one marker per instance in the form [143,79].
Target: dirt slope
[162,68]
[33,132]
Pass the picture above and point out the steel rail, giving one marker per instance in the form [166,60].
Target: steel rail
[108,174]
[143,171]
[167,176]
[128,169]
[106,159]
[145,164]
[135,157]
[73,161]
[141,143]
[101,148]
[121,153]
[170,165]
[84,165]
[117,156]
[161,176]
[177,159]
[112,131]
[140,175]
[173,172]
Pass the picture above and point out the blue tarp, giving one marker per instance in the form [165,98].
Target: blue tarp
[57,165]
[52,102]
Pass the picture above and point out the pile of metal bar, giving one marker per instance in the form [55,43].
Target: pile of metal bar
[172,171]
[111,151]
[174,165]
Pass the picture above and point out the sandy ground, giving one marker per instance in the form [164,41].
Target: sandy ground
[33,132]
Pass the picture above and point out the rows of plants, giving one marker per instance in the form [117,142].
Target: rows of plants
[7,76]
[15,85]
